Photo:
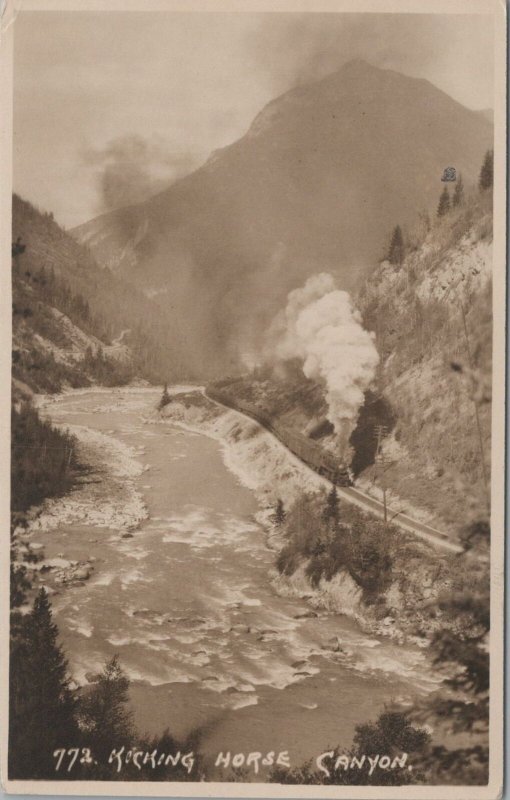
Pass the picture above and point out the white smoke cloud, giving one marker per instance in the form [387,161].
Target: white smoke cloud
[322,327]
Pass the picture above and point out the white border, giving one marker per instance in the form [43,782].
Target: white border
[217,789]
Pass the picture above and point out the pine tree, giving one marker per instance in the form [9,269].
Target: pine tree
[444,203]
[486,179]
[279,513]
[17,247]
[393,733]
[104,713]
[42,705]
[396,249]
[458,194]
[165,398]
[331,511]
[19,583]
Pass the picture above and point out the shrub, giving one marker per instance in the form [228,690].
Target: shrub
[360,545]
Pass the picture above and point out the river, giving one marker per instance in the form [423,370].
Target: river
[187,602]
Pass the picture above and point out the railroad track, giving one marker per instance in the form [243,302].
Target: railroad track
[361,499]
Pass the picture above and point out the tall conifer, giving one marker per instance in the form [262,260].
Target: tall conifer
[486,179]
[396,249]
[42,703]
[444,203]
[458,194]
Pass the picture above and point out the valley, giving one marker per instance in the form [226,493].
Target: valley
[251,438]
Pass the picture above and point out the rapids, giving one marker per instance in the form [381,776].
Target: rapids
[186,600]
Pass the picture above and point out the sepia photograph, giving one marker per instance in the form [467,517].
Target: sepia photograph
[254,295]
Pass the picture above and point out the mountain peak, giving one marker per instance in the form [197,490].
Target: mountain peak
[357,64]
[318,183]
[353,70]
[359,69]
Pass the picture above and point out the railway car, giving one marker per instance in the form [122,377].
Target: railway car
[321,461]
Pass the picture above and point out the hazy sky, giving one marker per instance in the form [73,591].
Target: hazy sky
[114,105]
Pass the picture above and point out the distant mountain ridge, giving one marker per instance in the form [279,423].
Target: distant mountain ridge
[317,183]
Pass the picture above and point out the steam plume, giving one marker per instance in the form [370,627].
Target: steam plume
[132,168]
[321,326]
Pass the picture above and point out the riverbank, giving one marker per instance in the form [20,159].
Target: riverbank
[109,499]
[104,497]
[265,466]
[186,600]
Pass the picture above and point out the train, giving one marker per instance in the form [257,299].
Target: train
[312,454]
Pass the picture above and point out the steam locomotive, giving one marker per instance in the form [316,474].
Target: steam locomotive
[320,460]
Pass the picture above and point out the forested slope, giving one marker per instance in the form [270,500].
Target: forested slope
[70,314]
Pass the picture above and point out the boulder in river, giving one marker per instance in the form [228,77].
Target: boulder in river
[309,614]
[82,574]
[145,613]
[240,628]
[333,645]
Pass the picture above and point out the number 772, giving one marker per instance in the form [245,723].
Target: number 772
[72,754]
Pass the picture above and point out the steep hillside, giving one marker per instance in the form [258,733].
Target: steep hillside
[315,185]
[432,320]
[63,299]
[49,349]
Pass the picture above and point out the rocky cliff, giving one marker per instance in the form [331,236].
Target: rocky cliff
[432,316]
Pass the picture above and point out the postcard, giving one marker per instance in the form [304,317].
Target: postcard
[253,332]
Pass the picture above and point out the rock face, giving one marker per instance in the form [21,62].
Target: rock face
[317,183]
[433,321]
[67,572]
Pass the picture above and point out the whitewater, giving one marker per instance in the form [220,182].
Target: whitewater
[175,556]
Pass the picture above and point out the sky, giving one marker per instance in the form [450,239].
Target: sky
[110,107]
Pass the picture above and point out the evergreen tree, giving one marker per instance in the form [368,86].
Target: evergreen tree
[19,583]
[392,734]
[279,515]
[458,194]
[486,179]
[43,459]
[444,203]
[396,249]
[104,712]
[331,511]
[461,654]
[17,247]
[165,398]
[42,705]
